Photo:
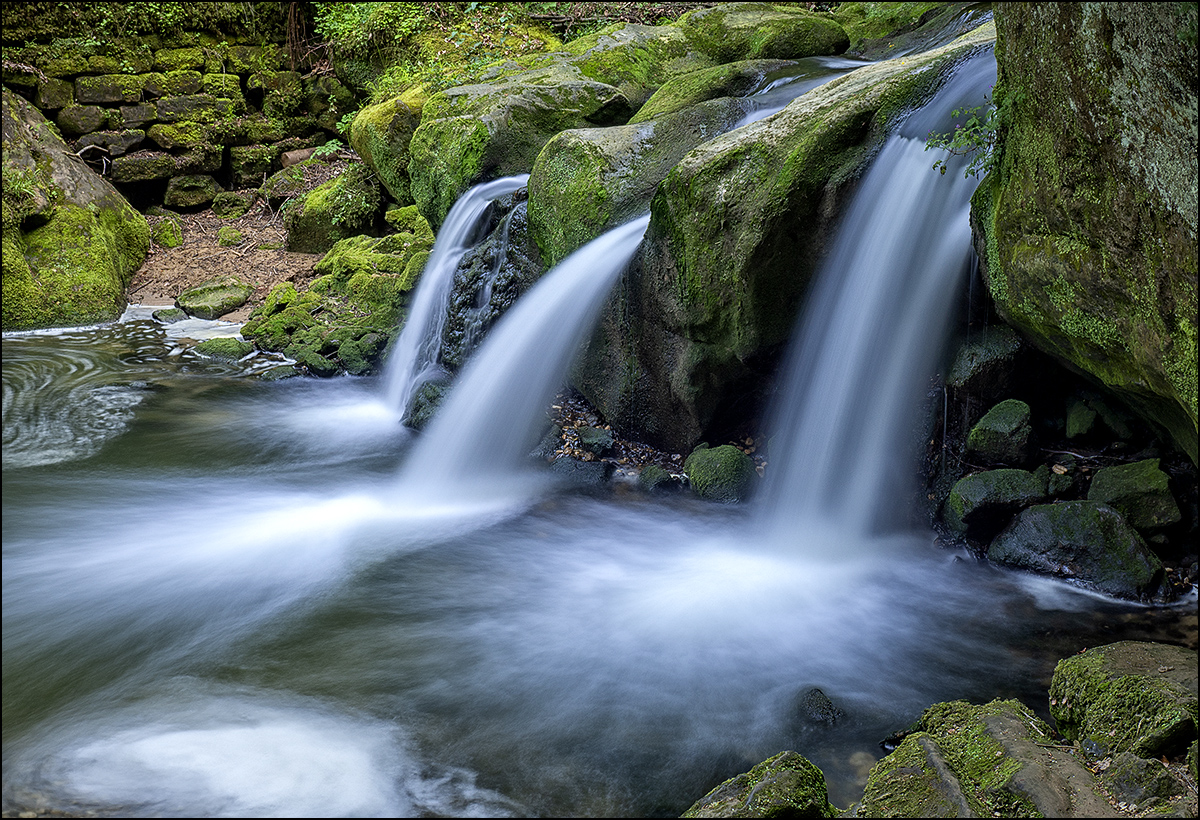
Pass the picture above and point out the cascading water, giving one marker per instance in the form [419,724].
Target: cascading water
[490,420]
[414,360]
[871,333]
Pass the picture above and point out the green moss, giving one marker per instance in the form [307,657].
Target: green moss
[722,473]
[224,349]
[786,785]
[73,270]
[168,233]
[228,236]
[381,134]
[346,206]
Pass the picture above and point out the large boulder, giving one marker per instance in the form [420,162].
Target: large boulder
[994,760]
[1087,228]
[737,229]
[743,31]
[588,180]
[71,242]
[1128,696]
[1082,541]
[381,133]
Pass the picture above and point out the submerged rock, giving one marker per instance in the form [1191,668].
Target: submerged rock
[1128,696]
[1081,541]
[786,785]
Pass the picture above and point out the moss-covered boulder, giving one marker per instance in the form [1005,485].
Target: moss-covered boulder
[1081,541]
[1139,491]
[214,298]
[742,31]
[381,134]
[1003,435]
[737,229]
[225,349]
[982,504]
[993,760]
[786,785]
[232,204]
[728,80]
[1129,696]
[722,473]
[349,205]
[586,181]
[477,132]
[71,242]
[1087,229]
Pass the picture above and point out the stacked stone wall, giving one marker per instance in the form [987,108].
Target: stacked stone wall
[199,111]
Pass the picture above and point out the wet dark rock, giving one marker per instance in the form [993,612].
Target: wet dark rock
[582,474]
[425,403]
[1139,491]
[981,505]
[169,316]
[1003,435]
[814,706]
[1137,780]
[1083,541]
[722,473]
[595,440]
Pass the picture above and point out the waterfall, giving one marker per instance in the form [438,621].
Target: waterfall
[414,360]
[493,415]
[871,334]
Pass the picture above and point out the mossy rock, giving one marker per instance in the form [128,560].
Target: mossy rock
[214,298]
[737,230]
[346,206]
[985,365]
[992,760]
[224,349]
[588,180]
[168,233]
[143,166]
[728,80]
[169,316]
[655,479]
[191,191]
[786,785]
[595,440]
[381,134]
[425,403]
[1128,696]
[722,473]
[473,133]
[1003,435]
[982,504]
[228,236]
[74,120]
[71,241]
[1081,541]
[1139,491]
[744,31]
[1087,229]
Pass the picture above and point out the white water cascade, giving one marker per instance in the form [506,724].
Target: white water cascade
[414,359]
[871,334]
[492,416]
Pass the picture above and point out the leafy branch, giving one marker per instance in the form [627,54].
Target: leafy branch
[976,138]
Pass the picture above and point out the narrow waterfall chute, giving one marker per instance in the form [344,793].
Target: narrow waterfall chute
[414,360]
[870,335]
[493,415]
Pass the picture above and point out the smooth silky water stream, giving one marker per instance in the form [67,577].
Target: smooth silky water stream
[221,598]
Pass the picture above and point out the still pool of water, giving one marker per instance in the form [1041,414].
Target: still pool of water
[219,600]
